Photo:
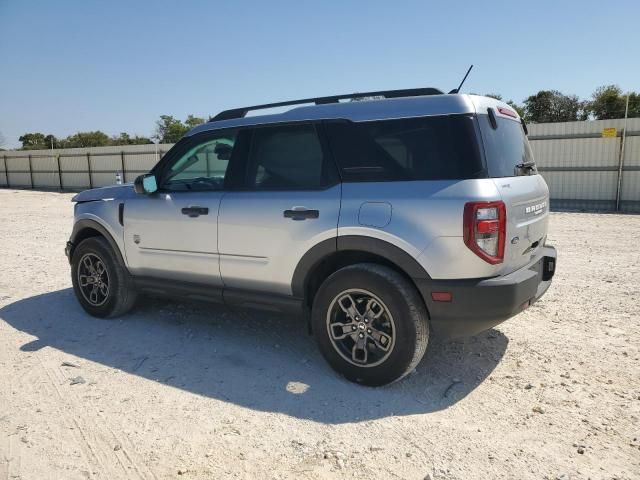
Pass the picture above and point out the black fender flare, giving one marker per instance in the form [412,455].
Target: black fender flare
[87,224]
[356,243]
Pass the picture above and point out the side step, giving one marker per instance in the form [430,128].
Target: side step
[210,293]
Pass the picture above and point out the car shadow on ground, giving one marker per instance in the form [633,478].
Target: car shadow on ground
[260,361]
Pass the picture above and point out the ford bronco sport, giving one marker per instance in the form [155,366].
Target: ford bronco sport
[382,222]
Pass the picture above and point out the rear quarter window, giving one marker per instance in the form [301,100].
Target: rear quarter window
[425,148]
[505,148]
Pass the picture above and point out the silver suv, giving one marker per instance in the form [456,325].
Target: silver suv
[382,222]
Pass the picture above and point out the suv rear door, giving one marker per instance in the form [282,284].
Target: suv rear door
[525,193]
[284,199]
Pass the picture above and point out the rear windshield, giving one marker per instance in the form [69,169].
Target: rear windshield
[426,148]
[506,148]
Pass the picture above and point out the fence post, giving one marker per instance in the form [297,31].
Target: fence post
[623,137]
[6,170]
[89,168]
[30,172]
[124,172]
[59,172]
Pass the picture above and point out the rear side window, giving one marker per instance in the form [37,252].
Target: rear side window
[426,148]
[286,158]
[506,148]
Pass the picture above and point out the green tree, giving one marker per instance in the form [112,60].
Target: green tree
[554,106]
[126,139]
[169,129]
[86,139]
[193,121]
[51,141]
[608,101]
[32,141]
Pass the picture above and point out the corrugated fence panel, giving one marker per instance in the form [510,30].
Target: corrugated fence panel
[632,152]
[630,189]
[138,163]
[102,179]
[75,171]
[578,128]
[587,152]
[18,179]
[3,173]
[75,181]
[45,171]
[630,192]
[104,168]
[18,171]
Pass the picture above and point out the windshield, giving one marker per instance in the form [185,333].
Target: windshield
[506,148]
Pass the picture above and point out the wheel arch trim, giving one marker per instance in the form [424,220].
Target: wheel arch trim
[85,224]
[356,243]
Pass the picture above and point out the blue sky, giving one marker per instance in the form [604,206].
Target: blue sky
[69,66]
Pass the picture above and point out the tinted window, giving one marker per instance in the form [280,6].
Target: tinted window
[506,147]
[427,148]
[286,157]
[203,166]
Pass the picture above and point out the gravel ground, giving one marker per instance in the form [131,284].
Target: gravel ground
[192,391]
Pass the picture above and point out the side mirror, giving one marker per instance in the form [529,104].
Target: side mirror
[145,184]
[223,151]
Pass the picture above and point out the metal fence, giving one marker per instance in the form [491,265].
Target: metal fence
[593,165]
[77,168]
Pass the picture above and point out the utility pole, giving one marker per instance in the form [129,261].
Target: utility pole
[621,159]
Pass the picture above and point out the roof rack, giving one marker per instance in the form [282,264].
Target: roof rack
[410,92]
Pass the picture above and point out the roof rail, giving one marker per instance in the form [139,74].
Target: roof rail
[410,92]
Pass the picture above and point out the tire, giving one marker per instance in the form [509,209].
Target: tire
[118,297]
[402,319]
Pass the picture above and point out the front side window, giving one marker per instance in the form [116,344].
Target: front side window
[287,157]
[203,166]
[426,148]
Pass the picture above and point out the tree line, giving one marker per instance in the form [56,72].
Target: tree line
[545,106]
[549,106]
[168,130]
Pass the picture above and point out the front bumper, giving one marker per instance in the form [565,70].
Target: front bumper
[480,304]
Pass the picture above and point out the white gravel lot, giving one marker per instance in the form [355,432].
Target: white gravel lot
[194,391]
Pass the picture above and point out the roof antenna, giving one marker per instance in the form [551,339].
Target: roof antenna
[457,90]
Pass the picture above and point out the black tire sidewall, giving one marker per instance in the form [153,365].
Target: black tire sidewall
[384,283]
[99,247]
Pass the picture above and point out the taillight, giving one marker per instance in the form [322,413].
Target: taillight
[485,229]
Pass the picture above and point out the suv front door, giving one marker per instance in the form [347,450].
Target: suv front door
[173,233]
[285,199]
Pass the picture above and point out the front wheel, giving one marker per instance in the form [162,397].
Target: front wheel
[370,324]
[101,284]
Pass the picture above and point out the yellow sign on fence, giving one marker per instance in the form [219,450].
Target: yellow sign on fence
[609,133]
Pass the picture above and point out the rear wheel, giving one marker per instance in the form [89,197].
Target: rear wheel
[101,284]
[370,324]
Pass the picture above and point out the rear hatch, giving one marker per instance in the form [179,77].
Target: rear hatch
[525,193]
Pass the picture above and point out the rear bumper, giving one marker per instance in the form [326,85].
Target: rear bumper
[480,304]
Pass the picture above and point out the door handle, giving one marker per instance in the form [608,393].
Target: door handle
[301,213]
[194,212]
